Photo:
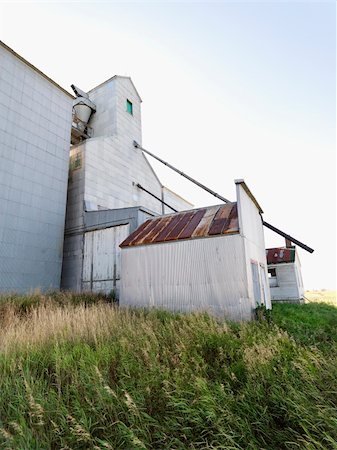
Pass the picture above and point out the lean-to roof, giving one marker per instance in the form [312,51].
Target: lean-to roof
[195,223]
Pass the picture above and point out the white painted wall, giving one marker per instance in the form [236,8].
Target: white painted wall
[298,270]
[191,275]
[35,122]
[111,167]
[251,229]
[112,172]
[289,281]
[111,117]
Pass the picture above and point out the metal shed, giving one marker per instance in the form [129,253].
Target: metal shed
[284,273]
[209,259]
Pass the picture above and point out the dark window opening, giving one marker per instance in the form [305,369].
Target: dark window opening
[273,282]
[271,273]
[129,107]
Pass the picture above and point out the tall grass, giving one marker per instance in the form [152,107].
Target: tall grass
[83,374]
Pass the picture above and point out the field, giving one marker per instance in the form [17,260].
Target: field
[321,296]
[78,373]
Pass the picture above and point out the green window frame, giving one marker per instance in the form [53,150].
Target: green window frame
[129,107]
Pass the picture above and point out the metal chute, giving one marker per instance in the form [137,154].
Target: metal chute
[215,194]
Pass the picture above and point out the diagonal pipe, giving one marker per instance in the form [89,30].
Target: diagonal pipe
[220,197]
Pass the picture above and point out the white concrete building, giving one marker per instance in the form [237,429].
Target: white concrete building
[35,126]
[108,181]
[209,259]
[285,276]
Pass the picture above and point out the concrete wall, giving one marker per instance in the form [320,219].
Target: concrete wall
[251,229]
[190,275]
[35,122]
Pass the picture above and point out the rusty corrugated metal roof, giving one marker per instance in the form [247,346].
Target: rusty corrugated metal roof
[280,255]
[196,223]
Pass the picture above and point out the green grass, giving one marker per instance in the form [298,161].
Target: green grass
[311,324]
[90,376]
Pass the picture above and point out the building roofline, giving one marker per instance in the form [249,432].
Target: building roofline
[196,223]
[193,209]
[177,195]
[35,68]
[117,76]
[249,193]
[152,170]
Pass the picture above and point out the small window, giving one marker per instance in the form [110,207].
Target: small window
[129,107]
[271,273]
[273,282]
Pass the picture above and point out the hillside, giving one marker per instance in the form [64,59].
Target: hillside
[78,373]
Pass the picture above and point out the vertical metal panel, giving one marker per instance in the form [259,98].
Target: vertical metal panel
[197,274]
[102,262]
[264,284]
[299,277]
[256,282]
[87,256]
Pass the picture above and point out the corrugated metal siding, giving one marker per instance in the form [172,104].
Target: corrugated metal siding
[200,274]
[251,229]
[101,262]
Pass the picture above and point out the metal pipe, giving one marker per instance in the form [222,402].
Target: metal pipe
[266,224]
[287,236]
[159,199]
[182,173]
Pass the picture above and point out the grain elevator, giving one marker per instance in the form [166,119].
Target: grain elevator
[61,214]
[112,186]
[35,124]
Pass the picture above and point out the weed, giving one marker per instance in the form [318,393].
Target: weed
[77,372]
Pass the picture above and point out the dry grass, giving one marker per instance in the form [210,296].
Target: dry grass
[323,296]
[77,372]
[50,323]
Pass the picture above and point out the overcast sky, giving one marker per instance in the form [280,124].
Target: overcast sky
[230,90]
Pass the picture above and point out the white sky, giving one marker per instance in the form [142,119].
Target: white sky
[230,90]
